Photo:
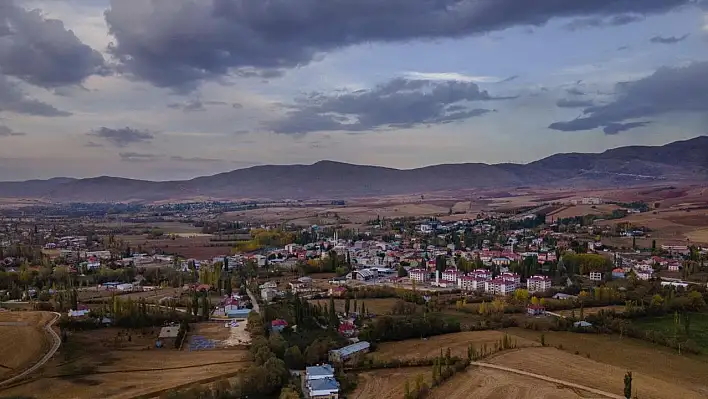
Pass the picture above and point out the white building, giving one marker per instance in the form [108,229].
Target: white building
[511,277]
[484,274]
[451,275]
[419,275]
[499,286]
[538,283]
[471,283]
[596,276]
[124,287]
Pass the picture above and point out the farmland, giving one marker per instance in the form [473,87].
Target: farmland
[495,384]
[628,354]
[579,369]
[671,327]
[24,340]
[430,347]
[591,310]
[388,383]
[106,363]
[373,305]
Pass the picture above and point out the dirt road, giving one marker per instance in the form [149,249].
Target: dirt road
[55,346]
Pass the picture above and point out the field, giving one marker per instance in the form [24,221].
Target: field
[104,363]
[430,347]
[658,362]
[589,311]
[149,296]
[481,383]
[579,369]
[388,383]
[698,330]
[373,305]
[198,246]
[24,340]
[580,210]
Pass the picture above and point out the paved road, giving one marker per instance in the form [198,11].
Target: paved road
[549,379]
[46,357]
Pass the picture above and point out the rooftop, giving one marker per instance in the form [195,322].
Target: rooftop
[319,371]
[351,349]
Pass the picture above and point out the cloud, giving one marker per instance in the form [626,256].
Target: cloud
[179,158]
[123,136]
[5,131]
[574,91]
[450,76]
[668,90]
[138,157]
[614,128]
[574,103]
[398,103]
[178,43]
[189,106]
[42,51]
[13,99]
[600,22]
[92,144]
[668,40]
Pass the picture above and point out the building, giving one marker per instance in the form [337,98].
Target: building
[618,273]
[511,277]
[483,274]
[471,283]
[350,353]
[167,337]
[347,329]
[320,383]
[127,287]
[501,261]
[362,275]
[451,275]
[535,310]
[499,286]
[674,267]
[538,283]
[278,325]
[419,275]
[268,294]
[596,276]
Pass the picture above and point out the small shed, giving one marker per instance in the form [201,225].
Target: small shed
[168,336]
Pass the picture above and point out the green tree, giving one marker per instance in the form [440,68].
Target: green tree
[288,393]
[347,304]
[333,318]
[628,385]
[294,358]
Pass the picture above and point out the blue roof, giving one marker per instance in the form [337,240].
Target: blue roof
[351,349]
[314,371]
[324,384]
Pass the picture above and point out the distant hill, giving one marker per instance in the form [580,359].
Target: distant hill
[674,162]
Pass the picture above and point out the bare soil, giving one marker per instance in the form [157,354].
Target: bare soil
[23,340]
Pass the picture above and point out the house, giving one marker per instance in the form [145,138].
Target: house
[320,382]
[511,277]
[535,310]
[299,286]
[419,275]
[167,337]
[674,267]
[483,274]
[337,291]
[618,273]
[538,283]
[278,325]
[362,275]
[349,354]
[563,296]
[501,261]
[268,294]
[347,329]
[269,284]
[596,276]
[127,287]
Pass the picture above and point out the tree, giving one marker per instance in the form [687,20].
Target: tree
[293,358]
[402,271]
[288,393]
[347,304]
[628,385]
[333,318]
[206,306]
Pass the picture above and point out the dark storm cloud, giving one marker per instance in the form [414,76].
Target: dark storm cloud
[668,40]
[574,103]
[13,99]
[679,89]
[398,103]
[7,132]
[138,157]
[42,51]
[123,136]
[614,128]
[177,43]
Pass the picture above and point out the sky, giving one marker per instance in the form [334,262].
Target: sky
[173,89]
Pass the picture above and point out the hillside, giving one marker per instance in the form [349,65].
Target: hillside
[674,162]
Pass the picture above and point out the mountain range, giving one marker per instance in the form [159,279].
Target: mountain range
[680,161]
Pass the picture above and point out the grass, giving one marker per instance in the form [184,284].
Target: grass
[377,306]
[670,326]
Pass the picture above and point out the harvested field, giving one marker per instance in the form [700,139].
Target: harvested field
[97,363]
[579,369]
[198,247]
[388,383]
[581,210]
[154,296]
[373,305]
[24,341]
[457,342]
[481,383]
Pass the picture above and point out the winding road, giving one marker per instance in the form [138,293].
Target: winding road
[55,346]
[549,379]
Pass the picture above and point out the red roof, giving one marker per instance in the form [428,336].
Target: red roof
[278,323]
[346,327]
